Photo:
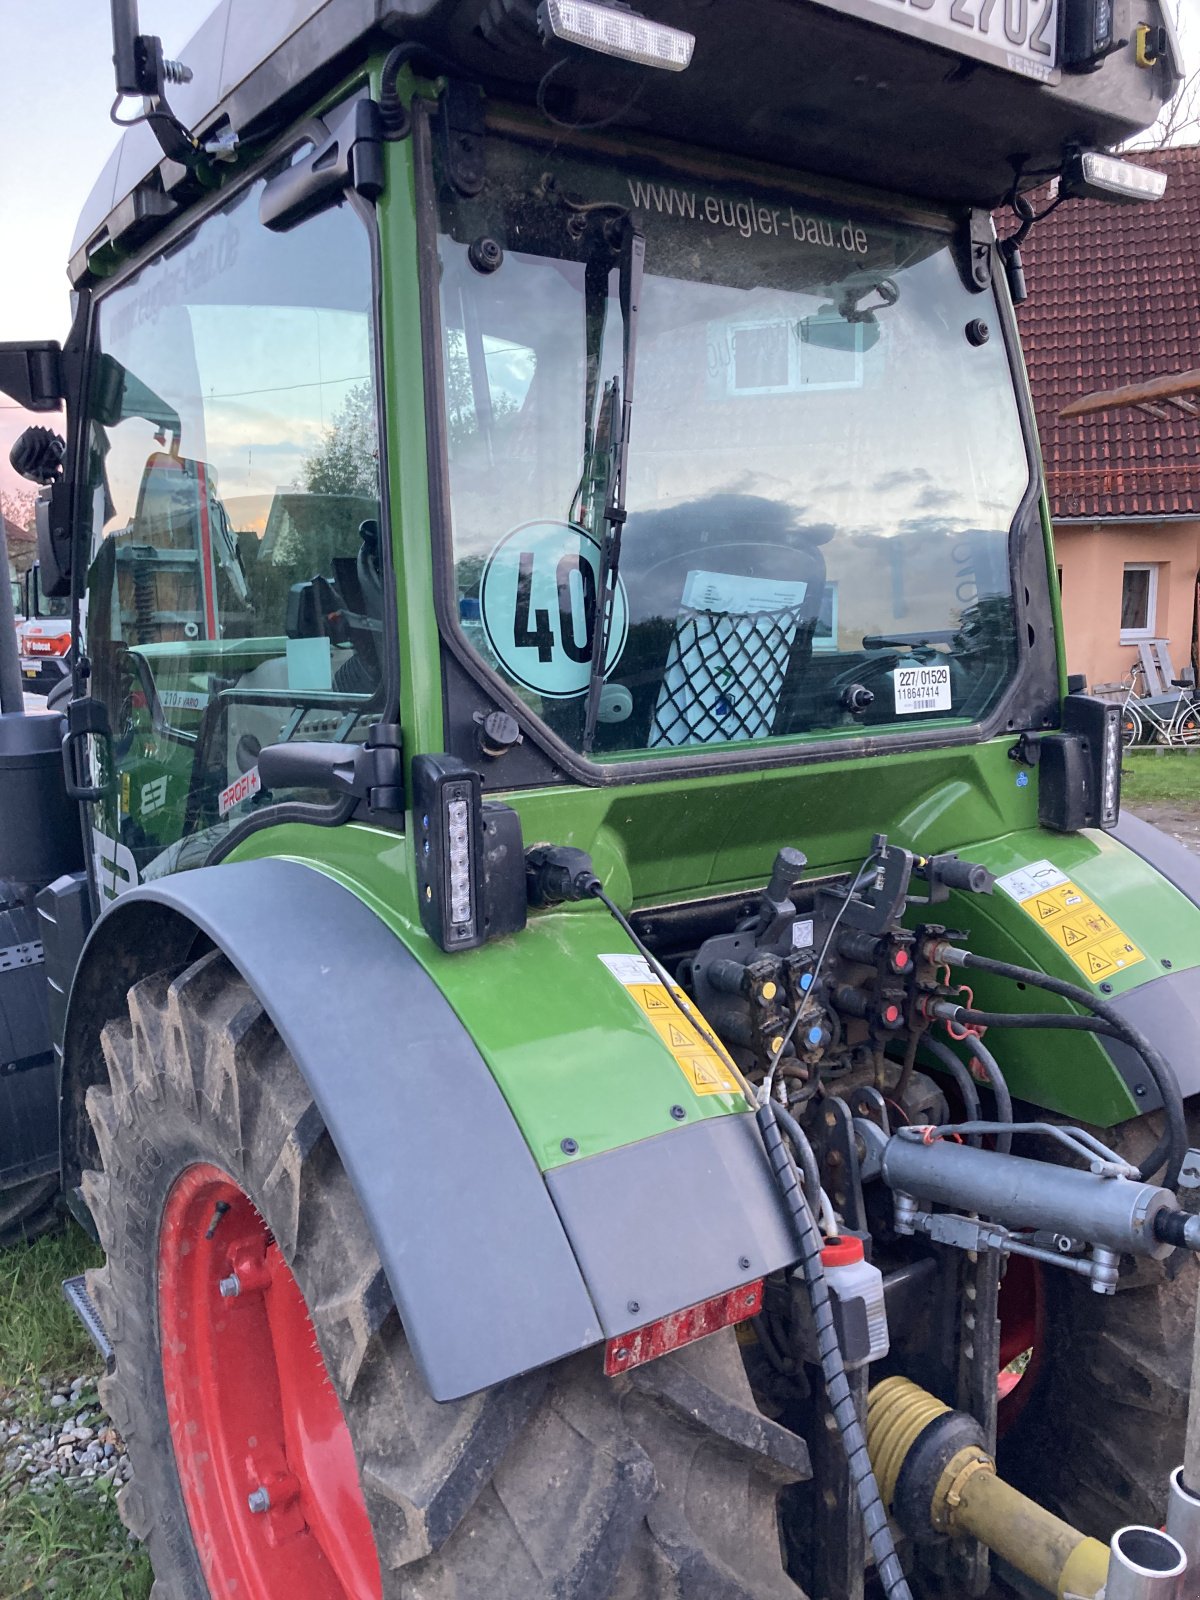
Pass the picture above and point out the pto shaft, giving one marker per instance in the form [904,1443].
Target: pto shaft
[936,1478]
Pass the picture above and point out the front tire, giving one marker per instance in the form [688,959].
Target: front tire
[657,1486]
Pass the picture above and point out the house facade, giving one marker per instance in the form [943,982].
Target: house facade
[1115,300]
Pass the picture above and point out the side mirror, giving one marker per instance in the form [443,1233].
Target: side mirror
[32,374]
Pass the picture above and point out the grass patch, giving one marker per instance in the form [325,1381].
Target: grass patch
[62,1541]
[39,1334]
[1171,779]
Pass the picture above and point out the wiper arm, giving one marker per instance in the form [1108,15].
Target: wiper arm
[633,263]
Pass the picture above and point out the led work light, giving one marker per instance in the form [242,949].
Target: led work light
[1092,176]
[469,855]
[614,30]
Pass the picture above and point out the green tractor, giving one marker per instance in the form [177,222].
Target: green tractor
[569,752]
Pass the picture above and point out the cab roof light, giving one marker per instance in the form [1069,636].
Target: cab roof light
[1089,175]
[615,30]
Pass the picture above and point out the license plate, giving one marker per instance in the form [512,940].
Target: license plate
[1018,35]
[31,672]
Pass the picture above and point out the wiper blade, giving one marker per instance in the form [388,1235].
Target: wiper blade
[633,264]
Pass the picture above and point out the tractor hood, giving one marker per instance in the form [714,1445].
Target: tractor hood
[867,90]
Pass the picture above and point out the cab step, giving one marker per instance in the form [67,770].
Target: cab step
[80,1301]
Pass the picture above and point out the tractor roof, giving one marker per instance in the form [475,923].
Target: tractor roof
[811,84]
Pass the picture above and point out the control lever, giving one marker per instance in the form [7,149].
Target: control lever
[776,908]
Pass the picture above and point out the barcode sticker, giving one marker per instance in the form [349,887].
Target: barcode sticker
[921,689]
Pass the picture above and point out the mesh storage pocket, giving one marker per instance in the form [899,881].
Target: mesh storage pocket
[724,674]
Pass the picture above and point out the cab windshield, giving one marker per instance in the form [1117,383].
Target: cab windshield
[825,458]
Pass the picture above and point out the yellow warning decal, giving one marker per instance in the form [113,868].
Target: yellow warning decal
[705,1071]
[1089,936]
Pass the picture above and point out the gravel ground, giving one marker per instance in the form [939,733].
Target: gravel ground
[75,1439]
[1180,821]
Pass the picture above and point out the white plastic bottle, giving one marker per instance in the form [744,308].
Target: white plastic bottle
[856,1289]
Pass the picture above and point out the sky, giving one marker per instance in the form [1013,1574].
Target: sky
[56,87]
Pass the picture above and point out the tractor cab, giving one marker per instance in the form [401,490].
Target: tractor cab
[567,673]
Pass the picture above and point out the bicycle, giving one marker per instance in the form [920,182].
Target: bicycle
[1173,723]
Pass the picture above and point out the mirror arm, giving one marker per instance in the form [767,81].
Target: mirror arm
[371,772]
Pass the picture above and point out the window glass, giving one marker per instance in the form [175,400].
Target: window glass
[1138,595]
[234,596]
[826,458]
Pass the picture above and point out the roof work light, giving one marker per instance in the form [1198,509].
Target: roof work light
[1088,175]
[615,30]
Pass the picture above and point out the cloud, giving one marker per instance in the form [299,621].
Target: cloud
[902,478]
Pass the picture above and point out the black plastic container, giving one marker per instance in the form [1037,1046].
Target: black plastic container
[40,836]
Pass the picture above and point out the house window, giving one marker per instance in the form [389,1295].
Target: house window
[1139,602]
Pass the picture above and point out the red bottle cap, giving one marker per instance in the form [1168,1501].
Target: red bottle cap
[842,1252]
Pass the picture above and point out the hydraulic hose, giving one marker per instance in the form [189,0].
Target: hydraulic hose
[804,1153]
[841,1400]
[1173,1146]
[966,1084]
[814,1191]
[1004,1105]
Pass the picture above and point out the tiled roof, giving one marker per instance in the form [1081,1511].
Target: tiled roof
[1114,299]
[17,536]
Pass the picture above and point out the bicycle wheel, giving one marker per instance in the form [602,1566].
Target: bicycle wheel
[1131,726]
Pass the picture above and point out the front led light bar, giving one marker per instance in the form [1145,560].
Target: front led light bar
[615,31]
[1092,176]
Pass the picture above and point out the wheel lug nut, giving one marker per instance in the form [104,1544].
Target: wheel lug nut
[259,1500]
[230,1287]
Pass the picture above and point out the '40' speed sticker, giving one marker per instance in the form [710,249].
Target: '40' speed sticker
[537,603]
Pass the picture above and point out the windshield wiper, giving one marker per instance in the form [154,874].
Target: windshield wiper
[633,263]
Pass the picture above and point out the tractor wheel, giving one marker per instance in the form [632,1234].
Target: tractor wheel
[28,1210]
[282,1440]
[1102,1426]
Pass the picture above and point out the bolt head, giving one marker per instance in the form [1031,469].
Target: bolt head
[259,1500]
[679,1113]
[230,1287]
[569,1147]
[744,1263]
[634,1307]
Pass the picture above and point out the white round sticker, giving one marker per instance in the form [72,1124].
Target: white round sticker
[537,603]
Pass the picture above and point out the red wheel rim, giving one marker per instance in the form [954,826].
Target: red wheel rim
[1022,1331]
[254,1418]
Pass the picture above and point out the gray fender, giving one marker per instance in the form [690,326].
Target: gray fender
[495,1270]
[1167,1009]
[482,1272]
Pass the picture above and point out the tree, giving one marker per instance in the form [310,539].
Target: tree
[18,508]
[347,459]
